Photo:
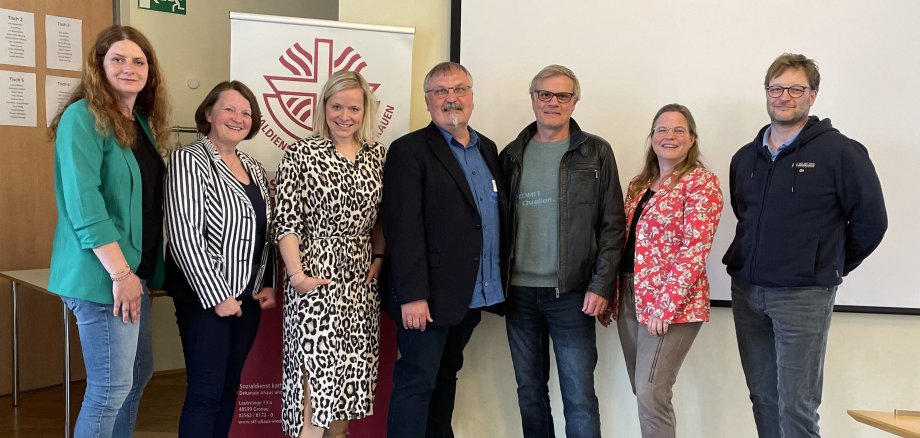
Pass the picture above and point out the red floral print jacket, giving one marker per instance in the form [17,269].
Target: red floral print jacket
[673,239]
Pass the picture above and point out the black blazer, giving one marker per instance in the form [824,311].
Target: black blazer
[432,226]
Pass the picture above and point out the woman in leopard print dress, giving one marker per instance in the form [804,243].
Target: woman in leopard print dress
[329,194]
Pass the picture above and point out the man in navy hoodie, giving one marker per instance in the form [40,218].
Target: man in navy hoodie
[810,210]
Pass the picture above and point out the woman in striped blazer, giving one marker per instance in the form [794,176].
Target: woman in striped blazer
[219,263]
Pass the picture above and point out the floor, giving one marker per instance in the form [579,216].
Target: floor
[41,414]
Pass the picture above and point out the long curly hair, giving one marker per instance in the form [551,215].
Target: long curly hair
[650,171]
[103,101]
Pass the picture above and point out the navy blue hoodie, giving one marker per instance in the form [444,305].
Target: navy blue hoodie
[810,217]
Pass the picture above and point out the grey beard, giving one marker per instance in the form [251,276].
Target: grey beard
[454,120]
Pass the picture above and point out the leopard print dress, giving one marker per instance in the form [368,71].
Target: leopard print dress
[331,204]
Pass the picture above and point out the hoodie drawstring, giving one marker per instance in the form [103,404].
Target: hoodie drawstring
[795,170]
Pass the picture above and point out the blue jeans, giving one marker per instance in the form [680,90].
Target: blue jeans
[782,338]
[425,378]
[215,351]
[534,315]
[119,363]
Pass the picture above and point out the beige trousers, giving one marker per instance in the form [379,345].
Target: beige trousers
[652,363]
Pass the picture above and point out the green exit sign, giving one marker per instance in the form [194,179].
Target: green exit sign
[170,6]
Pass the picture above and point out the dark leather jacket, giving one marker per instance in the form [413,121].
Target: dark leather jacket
[592,222]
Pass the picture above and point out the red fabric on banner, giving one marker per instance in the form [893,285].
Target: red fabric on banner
[258,406]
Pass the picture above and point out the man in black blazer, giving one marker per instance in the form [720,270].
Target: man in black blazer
[442,218]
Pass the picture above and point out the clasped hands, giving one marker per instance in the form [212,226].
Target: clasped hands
[233,307]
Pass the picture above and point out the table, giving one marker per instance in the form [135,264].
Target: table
[901,425]
[38,279]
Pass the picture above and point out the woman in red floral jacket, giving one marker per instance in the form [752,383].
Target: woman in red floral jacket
[672,210]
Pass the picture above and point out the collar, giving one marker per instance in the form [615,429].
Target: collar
[474,138]
[766,142]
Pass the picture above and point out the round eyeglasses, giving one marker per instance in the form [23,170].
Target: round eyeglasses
[678,131]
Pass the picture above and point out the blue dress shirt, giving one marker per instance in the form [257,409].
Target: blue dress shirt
[766,142]
[488,290]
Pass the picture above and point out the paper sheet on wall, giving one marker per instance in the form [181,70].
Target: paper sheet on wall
[17,38]
[57,91]
[17,94]
[64,42]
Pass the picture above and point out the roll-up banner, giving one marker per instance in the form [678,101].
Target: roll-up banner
[286,61]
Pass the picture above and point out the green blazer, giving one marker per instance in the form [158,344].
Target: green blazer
[97,186]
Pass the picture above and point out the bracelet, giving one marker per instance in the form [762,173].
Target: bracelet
[376,256]
[126,275]
[120,275]
[292,274]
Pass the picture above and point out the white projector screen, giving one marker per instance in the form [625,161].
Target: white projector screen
[634,56]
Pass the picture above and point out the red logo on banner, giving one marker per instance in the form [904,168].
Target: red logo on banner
[292,101]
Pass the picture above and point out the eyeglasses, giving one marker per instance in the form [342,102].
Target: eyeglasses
[459,91]
[547,96]
[679,131]
[794,91]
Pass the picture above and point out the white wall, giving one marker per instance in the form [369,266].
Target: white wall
[431,20]
[197,46]
[633,56]
[873,361]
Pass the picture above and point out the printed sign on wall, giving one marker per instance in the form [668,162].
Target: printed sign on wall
[170,6]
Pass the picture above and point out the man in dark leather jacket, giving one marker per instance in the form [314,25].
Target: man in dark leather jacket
[564,243]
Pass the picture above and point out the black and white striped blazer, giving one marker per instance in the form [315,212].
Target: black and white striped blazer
[210,222]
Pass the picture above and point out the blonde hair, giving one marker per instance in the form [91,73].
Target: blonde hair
[345,80]
[650,171]
[103,101]
[556,70]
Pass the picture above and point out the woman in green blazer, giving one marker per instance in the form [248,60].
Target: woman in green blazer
[108,180]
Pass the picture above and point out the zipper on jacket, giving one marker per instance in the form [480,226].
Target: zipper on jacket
[563,182]
[560,247]
[512,209]
[763,200]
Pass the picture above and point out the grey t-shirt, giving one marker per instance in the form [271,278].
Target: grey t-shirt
[536,246]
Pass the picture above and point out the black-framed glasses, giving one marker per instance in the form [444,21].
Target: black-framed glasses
[547,96]
[459,91]
[775,91]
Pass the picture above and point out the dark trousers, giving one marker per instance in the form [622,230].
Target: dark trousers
[782,338]
[536,315]
[425,378]
[215,351]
